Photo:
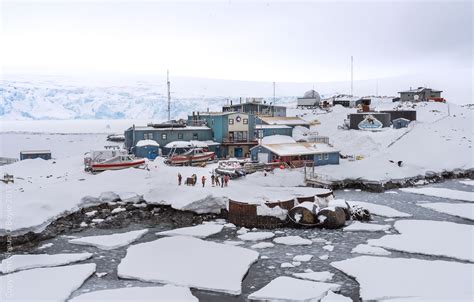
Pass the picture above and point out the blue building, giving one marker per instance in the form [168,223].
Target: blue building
[146,149]
[235,131]
[296,153]
[32,154]
[165,135]
[267,130]
[400,123]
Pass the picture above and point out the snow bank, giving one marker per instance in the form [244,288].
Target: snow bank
[463,210]
[414,279]
[375,209]
[370,250]
[442,193]
[52,284]
[287,288]
[190,262]
[22,262]
[153,293]
[110,242]
[438,238]
[358,226]
[292,240]
[315,276]
[256,236]
[198,231]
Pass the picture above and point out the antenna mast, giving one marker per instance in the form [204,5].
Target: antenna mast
[169,94]
[273,93]
[352,76]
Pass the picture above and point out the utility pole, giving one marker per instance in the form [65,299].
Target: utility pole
[169,94]
[273,105]
[377,87]
[352,76]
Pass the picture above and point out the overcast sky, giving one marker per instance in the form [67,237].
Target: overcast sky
[262,41]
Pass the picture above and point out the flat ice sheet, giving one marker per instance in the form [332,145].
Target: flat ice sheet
[198,231]
[291,289]
[188,261]
[292,240]
[410,278]
[315,276]
[358,226]
[110,242]
[21,262]
[370,250]
[443,193]
[165,293]
[256,236]
[51,284]
[463,210]
[437,238]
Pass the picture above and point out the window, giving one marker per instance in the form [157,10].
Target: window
[164,136]
[180,136]
[320,157]
[231,121]
[195,136]
[326,156]
[246,121]
[148,135]
[260,133]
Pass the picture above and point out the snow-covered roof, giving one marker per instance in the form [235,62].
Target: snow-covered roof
[291,149]
[283,120]
[187,128]
[190,144]
[35,151]
[420,89]
[278,139]
[272,127]
[147,142]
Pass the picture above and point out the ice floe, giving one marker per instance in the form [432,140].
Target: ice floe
[442,193]
[463,210]
[198,231]
[256,236]
[52,283]
[154,293]
[333,297]
[21,262]
[45,246]
[188,261]
[110,242]
[438,238]
[467,182]
[358,226]
[375,209]
[411,279]
[370,250]
[314,276]
[328,247]
[292,240]
[303,258]
[262,245]
[287,288]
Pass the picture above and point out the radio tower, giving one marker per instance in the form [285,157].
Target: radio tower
[169,94]
[352,76]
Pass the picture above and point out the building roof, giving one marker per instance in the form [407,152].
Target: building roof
[283,120]
[262,126]
[419,89]
[187,128]
[402,119]
[253,103]
[146,142]
[35,152]
[212,113]
[311,94]
[294,149]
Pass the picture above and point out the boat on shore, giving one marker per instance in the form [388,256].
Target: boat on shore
[110,159]
[192,157]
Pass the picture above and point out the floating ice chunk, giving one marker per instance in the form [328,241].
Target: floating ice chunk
[262,245]
[375,209]
[155,293]
[315,276]
[232,242]
[83,224]
[463,210]
[198,231]
[286,265]
[332,297]
[230,225]
[370,250]
[22,262]
[358,226]
[296,263]
[100,275]
[51,284]
[409,278]
[264,257]
[303,258]
[442,193]
[242,230]
[438,238]
[256,236]
[188,261]
[467,182]
[110,242]
[324,257]
[97,220]
[391,192]
[287,288]
[328,247]
[292,240]
[44,246]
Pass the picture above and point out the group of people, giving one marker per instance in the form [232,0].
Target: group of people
[216,180]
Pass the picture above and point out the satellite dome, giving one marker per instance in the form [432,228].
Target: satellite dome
[312,94]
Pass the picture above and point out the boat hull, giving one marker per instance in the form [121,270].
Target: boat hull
[117,166]
[183,160]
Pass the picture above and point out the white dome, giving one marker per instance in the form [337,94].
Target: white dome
[312,94]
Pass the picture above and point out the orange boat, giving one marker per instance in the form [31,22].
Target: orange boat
[191,157]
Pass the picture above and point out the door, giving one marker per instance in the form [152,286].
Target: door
[262,157]
[238,152]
